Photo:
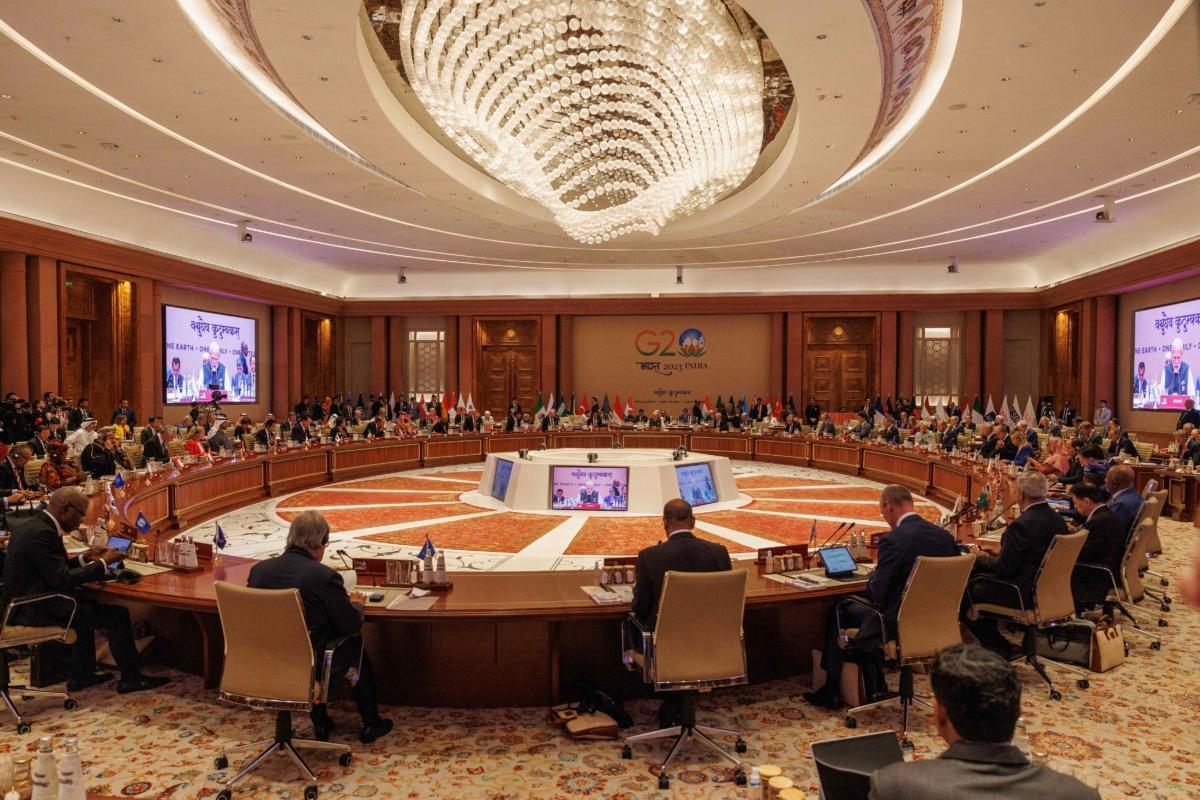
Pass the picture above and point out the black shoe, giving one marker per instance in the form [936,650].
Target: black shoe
[323,730]
[142,683]
[95,679]
[372,732]
[823,699]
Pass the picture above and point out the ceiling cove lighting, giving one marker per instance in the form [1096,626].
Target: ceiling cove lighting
[615,115]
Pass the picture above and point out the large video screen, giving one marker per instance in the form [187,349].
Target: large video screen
[589,488]
[1166,344]
[206,352]
[696,484]
[500,479]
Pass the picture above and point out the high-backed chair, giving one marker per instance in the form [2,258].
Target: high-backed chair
[1128,590]
[926,623]
[696,646]
[1145,450]
[53,614]
[270,667]
[1153,545]
[135,454]
[1053,603]
[33,470]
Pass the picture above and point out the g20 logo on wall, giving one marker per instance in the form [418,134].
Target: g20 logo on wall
[689,344]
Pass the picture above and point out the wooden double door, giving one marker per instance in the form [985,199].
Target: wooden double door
[509,359]
[839,376]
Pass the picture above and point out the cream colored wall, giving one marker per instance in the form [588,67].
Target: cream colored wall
[261,314]
[1127,304]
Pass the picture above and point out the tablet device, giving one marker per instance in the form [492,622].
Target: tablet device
[121,545]
[839,563]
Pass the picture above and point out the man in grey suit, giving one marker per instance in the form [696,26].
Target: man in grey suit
[976,703]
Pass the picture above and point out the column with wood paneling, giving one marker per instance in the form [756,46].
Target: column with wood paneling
[14,329]
[451,366]
[906,332]
[379,355]
[397,381]
[1105,350]
[1087,359]
[295,348]
[566,356]
[149,369]
[466,353]
[993,354]
[972,357]
[794,369]
[42,312]
[548,355]
[281,399]
[888,355]
[776,368]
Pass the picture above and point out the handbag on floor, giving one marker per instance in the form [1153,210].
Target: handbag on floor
[582,723]
[1070,643]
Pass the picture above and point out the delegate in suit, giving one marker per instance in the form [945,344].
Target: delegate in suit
[976,703]
[910,536]
[330,614]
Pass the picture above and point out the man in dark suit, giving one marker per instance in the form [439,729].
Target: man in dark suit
[13,486]
[40,443]
[1123,499]
[37,563]
[1189,415]
[155,446]
[793,426]
[329,612]
[1025,543]
[910,536]
[1104,547]
[124,408]
[266,434]
[719,422]
[890,433]
[212,373]
[300,432]
[78,414]
[950,437]
[98,459]
[976,704]
[812,413]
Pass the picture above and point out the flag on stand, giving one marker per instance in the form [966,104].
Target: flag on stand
[562,405]
[583,405]
[940,411]
[1002,411]
[539,410]
[550,403]
[143,524]
[628,404]
[620,409]
[392,404]
[990,414]
[1030,415]
[708,409]
[427,549]
[219,538]
[605,407]
[743,408]
[421,412]
[779,406]
[118,482]
[1014,411]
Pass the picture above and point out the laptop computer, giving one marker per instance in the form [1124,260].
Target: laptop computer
[845,766]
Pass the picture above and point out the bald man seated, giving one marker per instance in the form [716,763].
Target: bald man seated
[37,564]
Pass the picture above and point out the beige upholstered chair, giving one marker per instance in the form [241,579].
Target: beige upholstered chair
[33,470]
[1144,450]
[696,646]
[1053,602]
[134,453]
[269,665]
[1152,508]
[56,609]
[926,623]
[1128,590]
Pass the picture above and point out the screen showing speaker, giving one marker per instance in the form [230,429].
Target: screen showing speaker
[589,488]
[1166,343]
[500,479]
[206,352]
[696,484]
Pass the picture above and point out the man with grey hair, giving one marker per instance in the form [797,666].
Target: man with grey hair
[1025,543]
[329,612]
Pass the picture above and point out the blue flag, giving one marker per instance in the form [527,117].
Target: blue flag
[427,549]
[118,482]
[142,524]
[219,538]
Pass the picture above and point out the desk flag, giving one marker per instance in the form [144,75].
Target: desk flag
[219,538]
[142,524]
[427,549]
[118,482]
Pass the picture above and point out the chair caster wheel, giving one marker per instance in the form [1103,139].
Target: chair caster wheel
[1162,623]
[345,758]
[1165,608]
[664,781]
[626,752]
[906,744]
[851,722]
[1164,582]
[1156,645]
[310,793]
[224,794]
[739,778]
[24,728]
[1055,694]
[1082,683]
[740,747]
[70,704]
[221,762]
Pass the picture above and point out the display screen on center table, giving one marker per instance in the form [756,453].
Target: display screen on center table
[696,484]
[589,488]
[500,479]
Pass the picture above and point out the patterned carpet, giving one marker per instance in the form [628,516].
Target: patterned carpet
[1133,733]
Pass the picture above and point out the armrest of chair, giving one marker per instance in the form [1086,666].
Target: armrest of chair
[643,641]
[868,605]
[993,579]
[327,664]
[1112,579]
[34,600]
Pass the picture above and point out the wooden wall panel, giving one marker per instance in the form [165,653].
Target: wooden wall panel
[14,330]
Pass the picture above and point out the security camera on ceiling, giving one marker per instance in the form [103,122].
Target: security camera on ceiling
[1109,212]
[243,234]
[952,267]
[678,276]
[401,277]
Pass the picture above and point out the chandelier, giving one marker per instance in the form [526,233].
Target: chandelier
[615,115]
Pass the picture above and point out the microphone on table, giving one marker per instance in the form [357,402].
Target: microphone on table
[344,557]
[841,530]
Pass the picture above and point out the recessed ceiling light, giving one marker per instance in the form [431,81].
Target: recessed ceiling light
[307,37]
[984,108]
[1023,45]
[197,91]
[324,78]
[5,97]
[117,19]
[110,145]
[820,36]
[82,133]
[156,60]
[958,106]
[1005,80]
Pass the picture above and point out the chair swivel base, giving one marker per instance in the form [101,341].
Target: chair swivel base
[283,743]
[25,692]
[685,730]
[906,697]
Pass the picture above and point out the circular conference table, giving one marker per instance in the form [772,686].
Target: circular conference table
[495,638]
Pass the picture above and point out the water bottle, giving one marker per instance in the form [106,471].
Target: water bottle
[45,772]
[1020,739]
[754,784]
[70,772]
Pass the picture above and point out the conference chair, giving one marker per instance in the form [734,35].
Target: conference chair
[926,623]
[270,667]
[1128,590]
[1145,450]
[1121,590]
[133,452]
[33,470]
[60,610]
[845,766]
[1053,603]
[1153,504]
[695,647]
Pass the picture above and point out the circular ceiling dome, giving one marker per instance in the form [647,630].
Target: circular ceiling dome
[614,116]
